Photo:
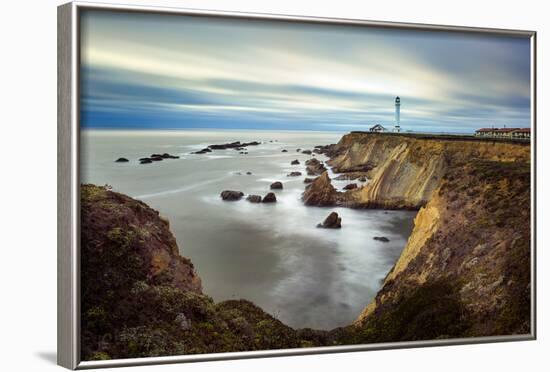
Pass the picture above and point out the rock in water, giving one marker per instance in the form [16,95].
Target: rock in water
[233,145]
[145,161]
[307,152]
[331,222]
[295,162]
[284,150]
[230,195]
[381,239]
[308,180]
[320,192]
[314,167]
[122,160]
[203,151]
[276,186]
[269,198]
[294,174]
[254,198]
[363,179]
[350,186]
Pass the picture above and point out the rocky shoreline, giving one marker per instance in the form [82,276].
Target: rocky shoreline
[465,271]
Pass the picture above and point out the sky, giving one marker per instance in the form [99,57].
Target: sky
[159,71]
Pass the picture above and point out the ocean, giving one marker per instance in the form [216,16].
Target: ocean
[270,254]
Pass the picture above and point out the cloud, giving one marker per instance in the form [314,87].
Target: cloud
[156,71]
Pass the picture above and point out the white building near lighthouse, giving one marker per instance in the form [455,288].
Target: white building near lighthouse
[397,127]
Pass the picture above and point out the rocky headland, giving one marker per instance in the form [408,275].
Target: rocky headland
[465,271]
[141,298]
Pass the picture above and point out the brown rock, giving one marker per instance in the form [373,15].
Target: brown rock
[254,198]
[276,186]
[350,186]
[314,167]
[269,198]
[295,162]
[331,222]
[294,174]
[230,195]
[320,192]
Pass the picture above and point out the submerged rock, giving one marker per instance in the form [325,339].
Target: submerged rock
[233,145]
[381,239]
[276,186]
[331,222]
[203,151]
[295,162]
[269,198]
[307,152]
[248,173]
[254,198]
[294,174]
[362,179]
[283,150]
[145,161]
[230,195]
[122,160]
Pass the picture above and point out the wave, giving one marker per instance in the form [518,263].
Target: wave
[181,189]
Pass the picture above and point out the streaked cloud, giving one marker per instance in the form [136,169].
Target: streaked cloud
[147,70]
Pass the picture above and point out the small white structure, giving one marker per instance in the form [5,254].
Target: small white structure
[397,114]
[377,128]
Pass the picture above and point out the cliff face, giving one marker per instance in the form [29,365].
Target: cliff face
[466,268]
[405,170]
[140,298]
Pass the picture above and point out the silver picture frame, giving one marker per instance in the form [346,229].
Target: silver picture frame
[68,232]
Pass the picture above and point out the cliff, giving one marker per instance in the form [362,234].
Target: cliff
[465,270]
[140,298]
[404,170]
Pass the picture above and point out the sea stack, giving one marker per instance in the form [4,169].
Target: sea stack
[331,222]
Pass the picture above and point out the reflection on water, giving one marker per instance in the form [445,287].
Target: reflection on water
[271,254]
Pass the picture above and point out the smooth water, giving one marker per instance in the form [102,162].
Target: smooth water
[271,254]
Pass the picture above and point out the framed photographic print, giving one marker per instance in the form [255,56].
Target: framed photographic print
[238,185]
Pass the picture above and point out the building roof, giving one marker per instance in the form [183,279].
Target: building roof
[376,126]
[485,130]
[523,130]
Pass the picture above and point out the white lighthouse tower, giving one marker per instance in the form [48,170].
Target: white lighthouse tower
[397,114]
